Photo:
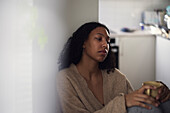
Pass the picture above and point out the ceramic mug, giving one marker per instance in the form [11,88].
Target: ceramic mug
[152,92]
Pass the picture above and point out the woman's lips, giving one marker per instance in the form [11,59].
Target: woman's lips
[104,51]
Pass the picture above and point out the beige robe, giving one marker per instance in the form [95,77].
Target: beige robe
[76,97]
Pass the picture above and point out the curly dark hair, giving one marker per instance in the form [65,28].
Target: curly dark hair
[72,51]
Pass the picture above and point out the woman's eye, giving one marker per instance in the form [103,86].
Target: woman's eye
[99,39]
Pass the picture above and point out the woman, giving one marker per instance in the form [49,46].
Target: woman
[88,81]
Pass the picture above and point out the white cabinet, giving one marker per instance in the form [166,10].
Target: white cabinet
[163,60]
[137,58]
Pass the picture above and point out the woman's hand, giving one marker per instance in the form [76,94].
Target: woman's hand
[163,93]
[138,98]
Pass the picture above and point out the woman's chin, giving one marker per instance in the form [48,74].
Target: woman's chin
[101,60]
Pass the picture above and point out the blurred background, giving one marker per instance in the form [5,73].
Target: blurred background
[33,32]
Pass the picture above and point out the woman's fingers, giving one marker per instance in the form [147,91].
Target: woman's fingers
[165,97]
[144,87]
[143,105]
[138,99]
[163,93]
[146,99]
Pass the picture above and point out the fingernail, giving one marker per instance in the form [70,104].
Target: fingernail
[157,98]
[156,105]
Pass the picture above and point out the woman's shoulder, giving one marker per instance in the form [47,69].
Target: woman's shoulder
[116,79]
[64,76]
[64,72]
[69,78]
[117,71]
[69,74]
[67,71]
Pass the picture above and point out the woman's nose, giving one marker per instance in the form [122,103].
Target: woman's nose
[104,44]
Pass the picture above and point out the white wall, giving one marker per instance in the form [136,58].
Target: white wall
[31,34]
[6,58]
[80,12]
[126,13]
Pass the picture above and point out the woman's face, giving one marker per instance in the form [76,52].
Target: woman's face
[96,47]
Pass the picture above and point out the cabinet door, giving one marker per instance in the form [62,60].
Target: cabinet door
[137,58]
[163,60]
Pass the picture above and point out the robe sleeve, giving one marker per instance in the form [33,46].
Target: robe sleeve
[129,87]
[68,98]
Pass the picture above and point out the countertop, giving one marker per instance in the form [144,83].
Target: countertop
[118,33]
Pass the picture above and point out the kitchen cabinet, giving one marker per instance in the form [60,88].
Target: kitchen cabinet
[163,60]
[137,58]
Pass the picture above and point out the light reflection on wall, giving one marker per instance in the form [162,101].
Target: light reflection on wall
[18,31]
[23,56]
[32,33]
